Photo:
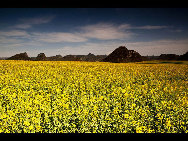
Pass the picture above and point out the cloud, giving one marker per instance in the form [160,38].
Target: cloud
[4,40]
[15,33]
[101,31]
[125,26]
[150,27]
[57,37]
[176,30]
[13,38]
[104,31]
[34,47]
[107,37]
[146,27]
[109,31]
[22,26]
[29,22]
[38,20]
[101,48]
[144,48]
[160,47]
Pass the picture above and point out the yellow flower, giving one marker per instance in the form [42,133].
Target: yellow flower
[38,128]
[31,127]
[58,90]
[133,105]
[139,130]
[75,96]
[26,123]
[126,115]
[168,123]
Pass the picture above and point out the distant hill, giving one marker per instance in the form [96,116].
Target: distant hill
[123,55]
[90,58]
[148,58]
[21,56]
[41,57]
[184,56]
[54,58]
[119,55]
[168,57]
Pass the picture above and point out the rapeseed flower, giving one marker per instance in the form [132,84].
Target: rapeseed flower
[92,97]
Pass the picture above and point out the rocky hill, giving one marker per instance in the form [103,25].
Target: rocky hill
[41,57]
[123,55]
[21,56]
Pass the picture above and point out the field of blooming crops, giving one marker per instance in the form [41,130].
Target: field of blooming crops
[93,97]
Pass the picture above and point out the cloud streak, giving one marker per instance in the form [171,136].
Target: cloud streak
[99,31]
[158,47]
[144,48]
[150,27]
[146,27]
[29,22]
[58,37]
[104,31]
[107,37]
[14,33]
[84,34]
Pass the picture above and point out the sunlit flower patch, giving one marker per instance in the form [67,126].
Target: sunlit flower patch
[93,97]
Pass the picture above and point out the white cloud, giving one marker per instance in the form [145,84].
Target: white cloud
[16,33]
[13,38]
[22,26]
[110,35]
[99,31]
[108,31]
[4,40]
[144,48]
[146,27]
[100,48]
[96,48]
[56,37]
[176,30]
[160,47]
[149,27]
[29,22]
[125,26]
[37,20]
[104,31]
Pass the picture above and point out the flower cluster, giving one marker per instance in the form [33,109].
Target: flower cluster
[92,97]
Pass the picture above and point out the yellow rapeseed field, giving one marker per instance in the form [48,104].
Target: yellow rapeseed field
[93,97]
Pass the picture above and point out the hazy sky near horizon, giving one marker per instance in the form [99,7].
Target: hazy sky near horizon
[79,31]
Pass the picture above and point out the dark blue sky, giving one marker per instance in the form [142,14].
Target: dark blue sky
[150,31]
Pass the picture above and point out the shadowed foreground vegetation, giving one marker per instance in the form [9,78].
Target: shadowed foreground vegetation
[163,62]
